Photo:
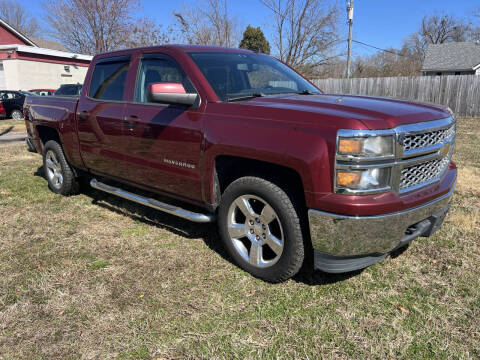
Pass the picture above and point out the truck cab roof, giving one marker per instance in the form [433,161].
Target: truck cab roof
[175,47]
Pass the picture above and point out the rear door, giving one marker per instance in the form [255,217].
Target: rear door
[164,140]
[100,118]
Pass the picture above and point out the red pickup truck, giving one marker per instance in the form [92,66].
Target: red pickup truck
[292,176]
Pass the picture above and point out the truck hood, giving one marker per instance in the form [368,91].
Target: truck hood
[373,112]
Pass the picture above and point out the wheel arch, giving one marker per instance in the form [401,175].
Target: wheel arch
[229,168]
[47,133]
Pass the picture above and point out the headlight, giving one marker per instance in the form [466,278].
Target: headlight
[364,161]
[370,179]
[367,146]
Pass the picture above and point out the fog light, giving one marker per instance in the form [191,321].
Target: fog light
[376,178]
[348,179]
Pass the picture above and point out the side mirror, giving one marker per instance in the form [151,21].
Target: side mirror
[170,93]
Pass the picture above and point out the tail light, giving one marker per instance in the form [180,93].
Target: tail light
[2,109]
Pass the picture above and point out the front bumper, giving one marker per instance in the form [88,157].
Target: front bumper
[346,243]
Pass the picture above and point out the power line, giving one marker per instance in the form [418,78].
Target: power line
[385,50]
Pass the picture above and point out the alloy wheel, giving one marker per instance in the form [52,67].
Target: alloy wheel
[17,115]
[255,231]
[53,169]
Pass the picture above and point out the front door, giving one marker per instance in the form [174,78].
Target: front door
[100,117]
[164,140]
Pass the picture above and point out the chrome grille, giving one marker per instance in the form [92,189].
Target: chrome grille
[423,173]
[429,138]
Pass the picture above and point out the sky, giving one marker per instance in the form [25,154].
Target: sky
[382,23]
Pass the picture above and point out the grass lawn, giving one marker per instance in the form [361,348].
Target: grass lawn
[10,126]
[94,276]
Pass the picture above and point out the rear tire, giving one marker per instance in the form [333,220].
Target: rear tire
[260,229]
[59,174]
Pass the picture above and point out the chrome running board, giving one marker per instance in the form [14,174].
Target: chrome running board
[170,209]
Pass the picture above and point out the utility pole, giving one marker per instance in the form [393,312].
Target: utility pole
[350,26]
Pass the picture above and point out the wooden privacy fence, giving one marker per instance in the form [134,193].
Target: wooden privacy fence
[459,92]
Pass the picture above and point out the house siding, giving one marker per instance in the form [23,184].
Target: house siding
[7,38]
[26,75]
[446,73]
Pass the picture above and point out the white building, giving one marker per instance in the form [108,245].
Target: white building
[24,65]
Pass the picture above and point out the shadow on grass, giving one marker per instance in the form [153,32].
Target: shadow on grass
[6,131]
[317,277]
[206,232]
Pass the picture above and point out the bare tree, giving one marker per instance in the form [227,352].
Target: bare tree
[306,33]
[474,25]
[407,61]
[145,32]
[207,23]
[333,70]
[93,26]
[388,63]
[17,16]
[437,29]
[475,13]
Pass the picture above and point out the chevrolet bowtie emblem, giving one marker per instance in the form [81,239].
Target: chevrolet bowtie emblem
[445,150]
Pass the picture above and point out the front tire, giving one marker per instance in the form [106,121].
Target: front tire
[59,174]
[260,229]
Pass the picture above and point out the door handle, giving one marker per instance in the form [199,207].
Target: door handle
[131,122]
[83,116]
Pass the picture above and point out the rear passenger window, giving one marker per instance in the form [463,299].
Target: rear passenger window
[108,80]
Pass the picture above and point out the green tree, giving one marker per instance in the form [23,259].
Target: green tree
[254,39]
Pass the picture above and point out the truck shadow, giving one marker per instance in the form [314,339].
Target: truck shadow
[317,277]
[206,232]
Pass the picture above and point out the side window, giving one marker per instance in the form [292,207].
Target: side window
[108,80]
[159,69]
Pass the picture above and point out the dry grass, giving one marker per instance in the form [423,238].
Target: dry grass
[93,276]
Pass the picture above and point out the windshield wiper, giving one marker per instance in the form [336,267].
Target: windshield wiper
[246,97]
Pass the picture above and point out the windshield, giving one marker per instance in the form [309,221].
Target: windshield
[239,75]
